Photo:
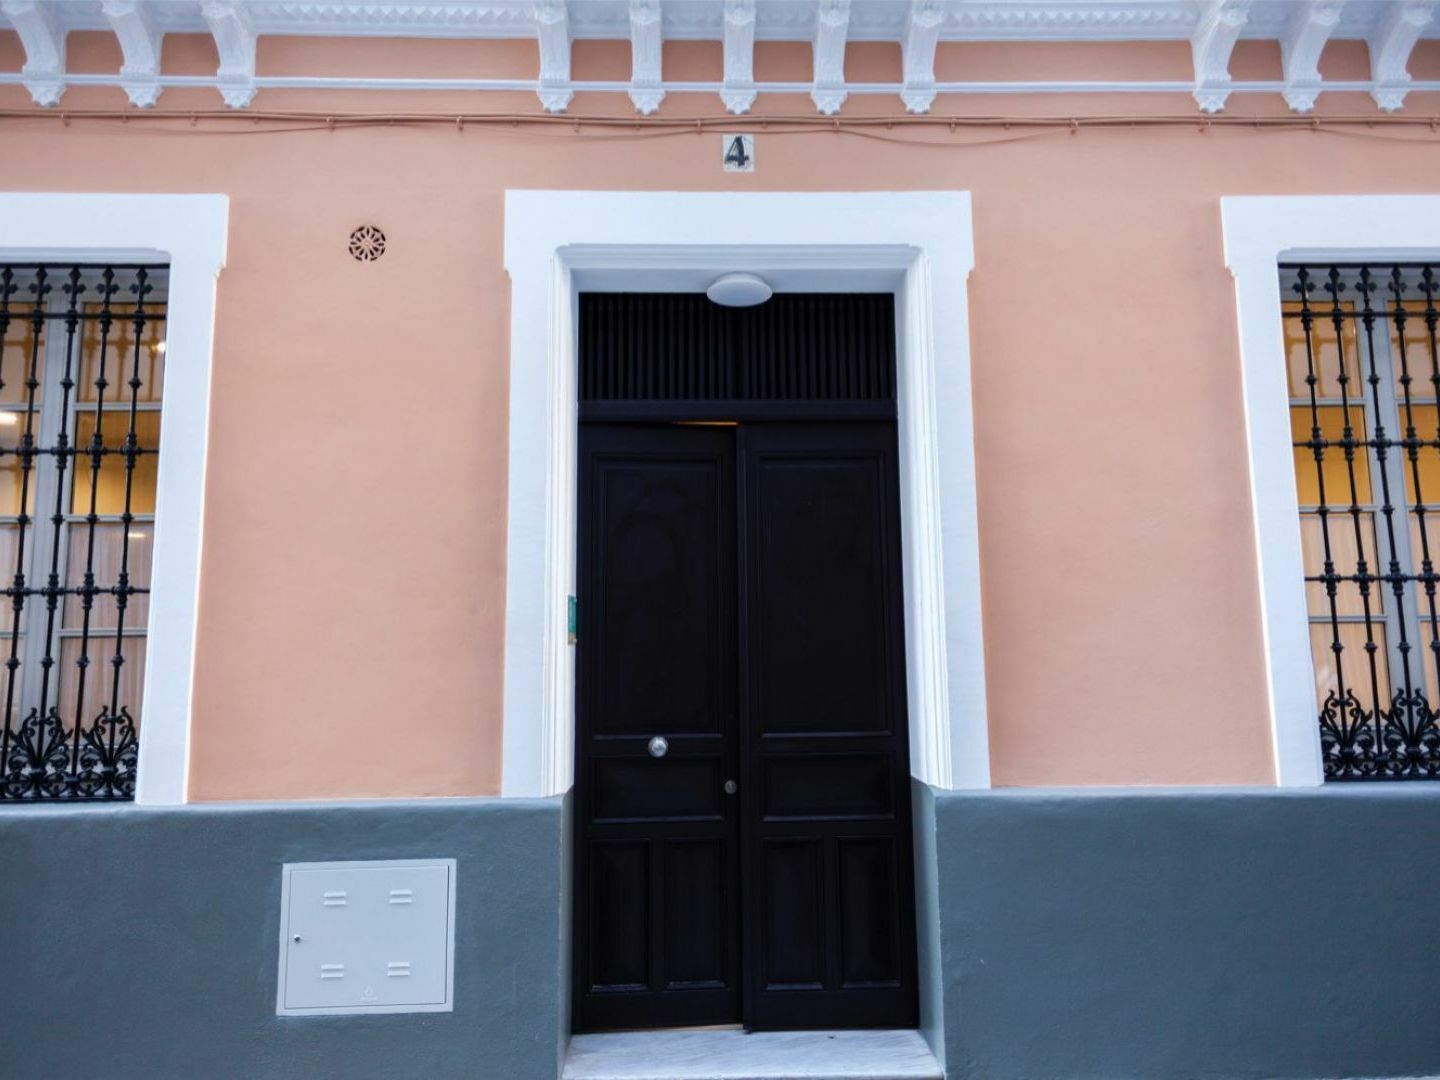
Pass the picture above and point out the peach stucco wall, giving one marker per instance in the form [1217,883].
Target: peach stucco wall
[352,606]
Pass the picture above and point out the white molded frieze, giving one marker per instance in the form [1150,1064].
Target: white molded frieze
[134,24]
[1214,39]
[552,29]
[917,49]
[1301,44]
[44,41]
[832,25]
[646,45]
[234,36]
[738,92]
[1390,46]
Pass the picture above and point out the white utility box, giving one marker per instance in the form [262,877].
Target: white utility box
[367,937]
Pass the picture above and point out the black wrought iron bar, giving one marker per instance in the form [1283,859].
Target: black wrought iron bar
[40,288]
[73,290]
[1366,286]
[78,451]
[88,590]
[74,590]
[71,264]
[141,288]
[1428,286]
[1398,288]
[7,290]
[88,317]
[1335,287]
[1335,718]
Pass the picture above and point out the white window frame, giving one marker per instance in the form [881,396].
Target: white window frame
[1261,232]
[187,233]
[918,246]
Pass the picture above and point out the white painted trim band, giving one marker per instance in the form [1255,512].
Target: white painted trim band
[187,232]
[917,245]
[1260,232]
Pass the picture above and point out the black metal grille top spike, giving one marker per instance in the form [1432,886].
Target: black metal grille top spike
[1364,370]
[81,361]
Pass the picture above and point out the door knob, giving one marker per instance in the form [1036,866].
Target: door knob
[659,746]
[731,787]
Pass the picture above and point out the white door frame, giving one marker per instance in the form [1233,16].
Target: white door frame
[917,245]
[188,234]
[1261,232]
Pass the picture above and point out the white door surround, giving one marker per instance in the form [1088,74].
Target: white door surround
[917,245]
[1260,233]
[188,234]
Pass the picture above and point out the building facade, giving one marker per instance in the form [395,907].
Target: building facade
[440,632]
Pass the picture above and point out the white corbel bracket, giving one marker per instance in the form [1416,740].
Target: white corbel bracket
[1214,39]
[1301,43]
[738,90]
[646,45]
[552,30]
[917,50]
[140,41]
[1390,46]
[832,25]
[235,41]
[44,42]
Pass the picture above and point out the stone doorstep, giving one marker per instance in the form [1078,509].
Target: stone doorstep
[732,1054]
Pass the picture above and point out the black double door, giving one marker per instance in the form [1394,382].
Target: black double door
[743,848]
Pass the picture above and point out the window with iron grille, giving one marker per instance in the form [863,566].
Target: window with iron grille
[82,354]
[1364,377]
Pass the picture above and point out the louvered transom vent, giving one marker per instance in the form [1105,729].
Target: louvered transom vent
[681,350]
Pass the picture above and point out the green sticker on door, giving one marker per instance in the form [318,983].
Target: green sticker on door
[570,623]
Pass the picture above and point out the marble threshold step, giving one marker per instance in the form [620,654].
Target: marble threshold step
[731,1054]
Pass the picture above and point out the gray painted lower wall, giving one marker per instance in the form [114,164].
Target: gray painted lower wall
[1155,934]
[1234,934]
[143,943]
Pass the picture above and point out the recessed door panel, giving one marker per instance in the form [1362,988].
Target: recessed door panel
[827,786]
[628,789]
[819,592]
[869,912]
[791,891]
[619,896]
[699,923]
[656,616]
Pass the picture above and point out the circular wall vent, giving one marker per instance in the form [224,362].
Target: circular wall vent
[367,243]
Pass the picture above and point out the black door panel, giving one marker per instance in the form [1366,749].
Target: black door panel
[657,871]
[828,839]
[740,597]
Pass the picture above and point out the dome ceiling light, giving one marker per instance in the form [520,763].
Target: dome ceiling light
[739,290]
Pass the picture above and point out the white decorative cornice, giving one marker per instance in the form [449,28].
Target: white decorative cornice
[646,44]
[140,40]
[832,24]
[229,22]
[917,51]
[739,89]
[552,30]
[1301,44]
[1299,27]
[1390,46]
[1210,46]
[44,41]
